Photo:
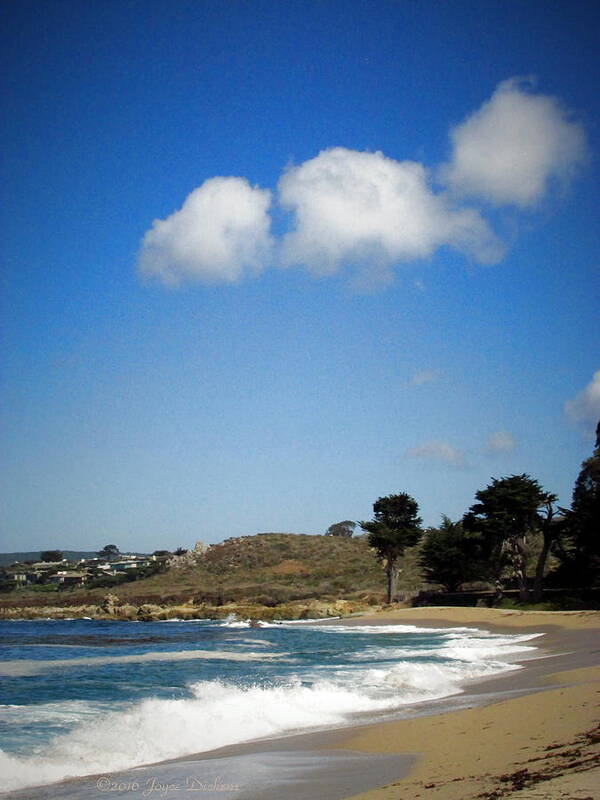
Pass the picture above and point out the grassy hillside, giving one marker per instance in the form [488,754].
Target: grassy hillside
[266,569]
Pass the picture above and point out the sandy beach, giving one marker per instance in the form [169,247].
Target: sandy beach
[536,734]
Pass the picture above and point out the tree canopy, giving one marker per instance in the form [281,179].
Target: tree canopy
[395,526]
[507,511]
[450,555]
[582,522]
[51,555]
[109,551]
[345,529]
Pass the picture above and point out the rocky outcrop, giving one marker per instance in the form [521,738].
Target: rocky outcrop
[112,608]
[191,558]
[53,612]
[110,603]
[149,612]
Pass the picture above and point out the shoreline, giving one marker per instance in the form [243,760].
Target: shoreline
[406,757]
[517,730]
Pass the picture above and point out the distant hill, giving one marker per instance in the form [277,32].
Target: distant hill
[34,555]
[270,568]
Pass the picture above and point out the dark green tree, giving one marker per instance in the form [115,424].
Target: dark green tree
[506,514]
[51,555]
[395,526]
[344,529]
[582,522]
[110,552]
[450,555]
[552,529]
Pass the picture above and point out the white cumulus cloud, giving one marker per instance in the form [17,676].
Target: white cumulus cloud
[367,212]
[365,208]
[438,451]
[220,233]
[514,147]
[585,406]
[501,442]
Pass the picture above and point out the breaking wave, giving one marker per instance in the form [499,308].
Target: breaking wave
[217,713]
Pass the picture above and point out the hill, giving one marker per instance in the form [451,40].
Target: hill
[265,569]
[273,568]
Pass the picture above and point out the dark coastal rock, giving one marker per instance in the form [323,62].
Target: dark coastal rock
[111,607]
[148,612]
[110,603]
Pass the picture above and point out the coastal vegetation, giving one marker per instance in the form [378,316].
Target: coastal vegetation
[504,518]
[449,556]
[581,557]
[394,527]
[344,529]
[512,546]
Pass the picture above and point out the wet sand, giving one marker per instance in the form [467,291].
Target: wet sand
[525,735]
[268,774]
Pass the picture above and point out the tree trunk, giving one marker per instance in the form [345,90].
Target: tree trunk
[538,584]
[523,588]
[515,553]
[498,593]
[521,568]
[390,569]
[547,533]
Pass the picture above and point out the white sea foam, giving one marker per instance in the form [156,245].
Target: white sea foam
[459,645]
[341,628]
[232,621]
[218,713]
[299,621]
[23,667]
[70,711]
[254,642]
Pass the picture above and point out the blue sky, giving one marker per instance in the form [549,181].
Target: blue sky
[265,261]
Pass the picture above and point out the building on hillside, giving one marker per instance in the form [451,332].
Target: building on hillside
[69,578]
[130,563]
[20,578]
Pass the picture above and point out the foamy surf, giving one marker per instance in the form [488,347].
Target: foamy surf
[219,714]
[337,673]
[22,667]
[233,621]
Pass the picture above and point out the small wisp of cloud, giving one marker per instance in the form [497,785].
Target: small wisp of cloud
[584,408]
[437,451]
[424,376]
[500,442]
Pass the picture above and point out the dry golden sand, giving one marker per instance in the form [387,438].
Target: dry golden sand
[487,617]
[471,753]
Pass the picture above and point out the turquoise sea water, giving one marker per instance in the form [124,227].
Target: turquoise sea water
[82,697]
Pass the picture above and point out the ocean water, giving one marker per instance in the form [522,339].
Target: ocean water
[82,697]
